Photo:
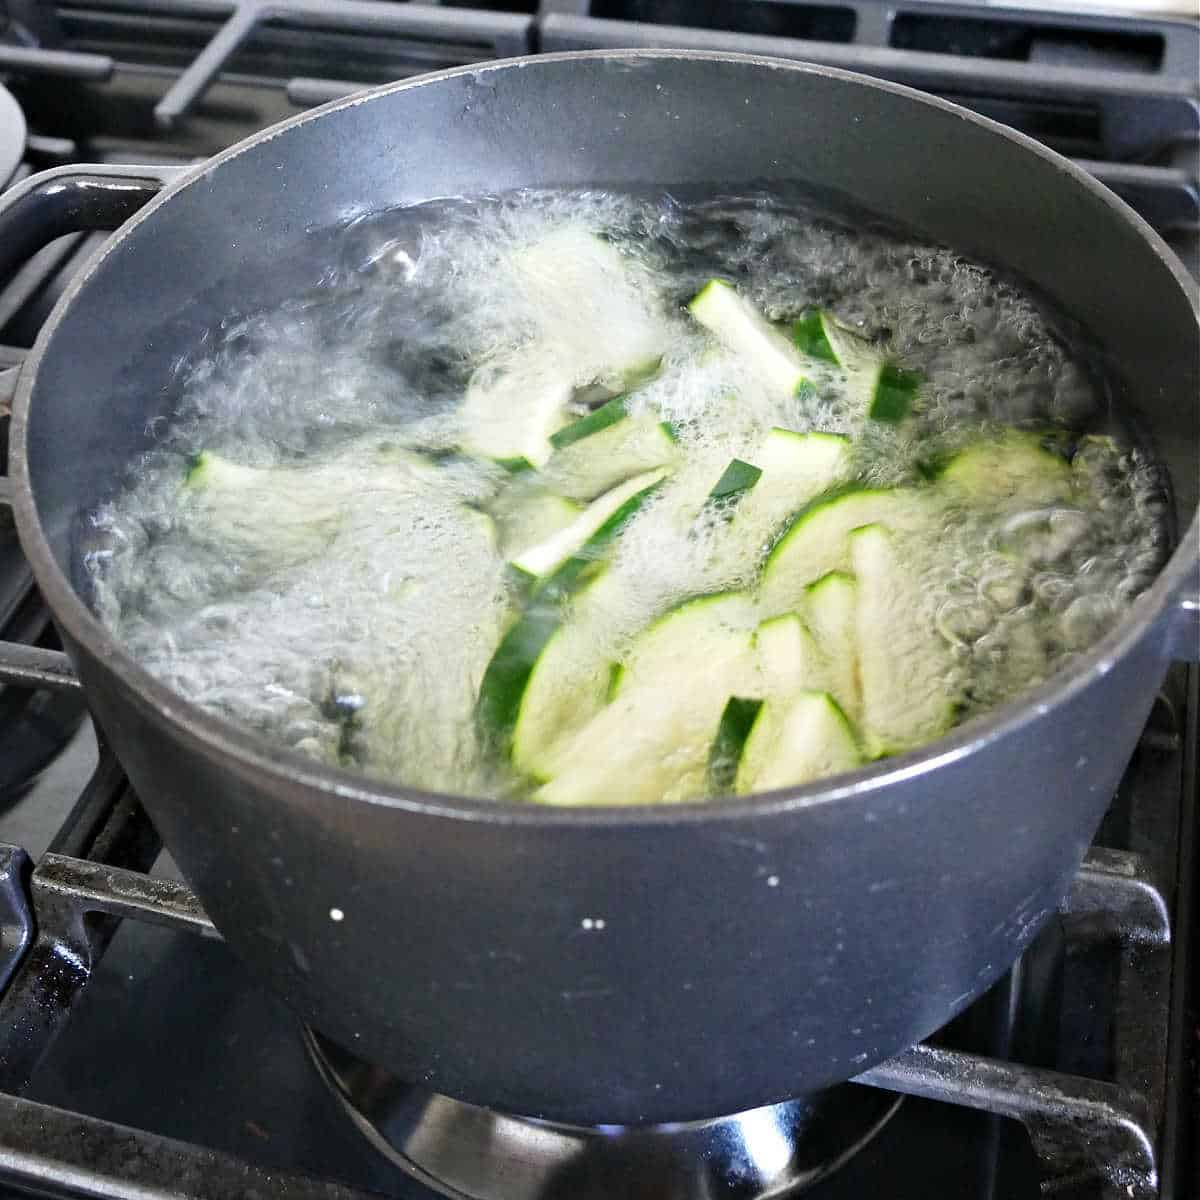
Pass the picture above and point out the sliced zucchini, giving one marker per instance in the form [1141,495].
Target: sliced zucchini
[1012,468]
[610,451]
[789,658]
[893,394]
[830,608]
[546,557]
[569,681]
[607,414]
[796,741]
[737,719]
[886,390]
[650,744]
[512,408]
[596,322]
[507,675]
[816,541]
[737,478]
[528,516]
[595,302]
[795,468]
[673,645]
[284,514]
[811,338]
[743,330]
[910,692]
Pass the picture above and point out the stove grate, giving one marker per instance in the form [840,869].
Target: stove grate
[1099,1133]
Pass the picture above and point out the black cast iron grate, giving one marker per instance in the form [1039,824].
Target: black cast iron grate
[57,918]
[1118,93]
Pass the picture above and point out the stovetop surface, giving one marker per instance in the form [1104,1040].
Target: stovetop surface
[242,1083]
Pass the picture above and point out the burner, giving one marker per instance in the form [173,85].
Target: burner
[472,1153]
[12,135]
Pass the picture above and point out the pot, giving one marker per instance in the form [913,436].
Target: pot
[609,965]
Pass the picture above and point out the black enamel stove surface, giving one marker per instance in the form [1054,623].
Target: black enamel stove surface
[137,1058]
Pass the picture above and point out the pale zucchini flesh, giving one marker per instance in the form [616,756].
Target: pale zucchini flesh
[795,467]
[545,557]
[789,657]
[745,332]
[569,681]
[909,691]
[531,516]
[611,453]
[830,610]
[816,541]
[1013,467]
[795,741]
[511,409]
[652,741]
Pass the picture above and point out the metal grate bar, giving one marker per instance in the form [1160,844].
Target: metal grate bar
[42,1146]
[1167,45]
[1081,1128]
[28,60]
[33,667]
[305,92]
[1115,891]
[1168,197]
[117,892]
[939,72]
[504,33]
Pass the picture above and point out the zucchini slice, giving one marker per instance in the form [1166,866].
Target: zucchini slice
[1013,468]
[529,516]
[796,741]
[596,319]
[737,719]
[744,331]
[910,693]
[282,515]
[511,408]
[597,303]
[651,743]
[887,391]
[507,676]
[830,609]
[789,658]
[545,557]
[569,681]
[795,468]
[605,448]
[816,541]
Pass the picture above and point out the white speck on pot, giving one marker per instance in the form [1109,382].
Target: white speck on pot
[336,914]
[772,881]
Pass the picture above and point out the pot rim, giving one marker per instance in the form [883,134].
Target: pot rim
[247,753]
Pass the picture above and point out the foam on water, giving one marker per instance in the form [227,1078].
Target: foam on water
[349,606]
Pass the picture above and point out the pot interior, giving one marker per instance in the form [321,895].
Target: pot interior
[237,236]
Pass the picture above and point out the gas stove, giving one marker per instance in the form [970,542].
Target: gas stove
[139,1058]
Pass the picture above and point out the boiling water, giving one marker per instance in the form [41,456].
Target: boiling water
[366,645]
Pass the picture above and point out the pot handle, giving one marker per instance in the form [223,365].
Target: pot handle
[70,200]
[32,214]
